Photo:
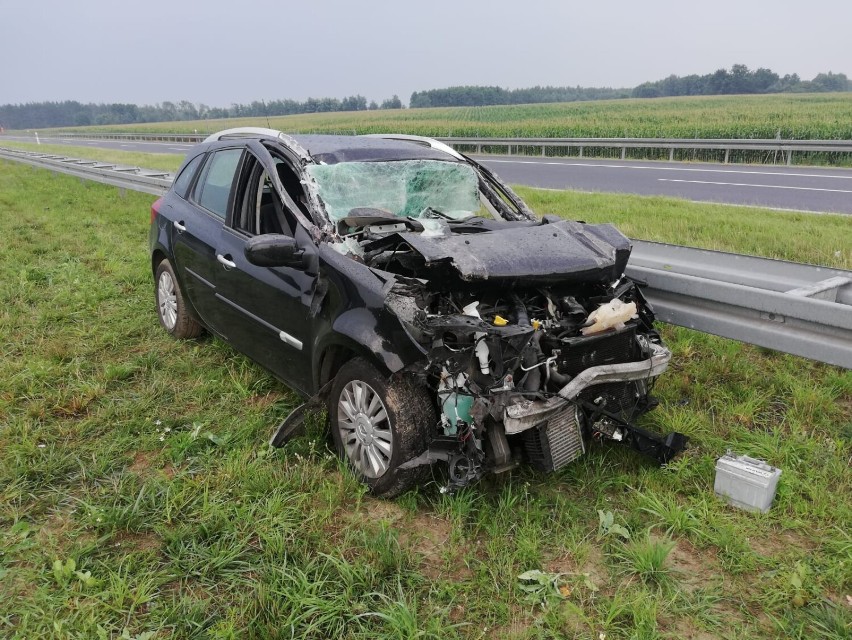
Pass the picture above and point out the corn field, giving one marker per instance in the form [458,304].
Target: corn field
[790,116]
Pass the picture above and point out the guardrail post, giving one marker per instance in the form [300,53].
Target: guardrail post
[479,148]
[508,149]
[623,152]
[671,154]
[789,157]
[542,151]
[727,154]
[581,152]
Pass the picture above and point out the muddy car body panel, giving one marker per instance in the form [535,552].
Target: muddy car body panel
[519,338]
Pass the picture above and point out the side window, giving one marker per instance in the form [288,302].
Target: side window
[215,186]
[258,209]
[182,182]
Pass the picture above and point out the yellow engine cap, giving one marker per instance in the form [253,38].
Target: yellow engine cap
[536,325]
[500,321]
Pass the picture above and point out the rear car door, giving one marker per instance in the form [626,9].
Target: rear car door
[198,223]
[267,307]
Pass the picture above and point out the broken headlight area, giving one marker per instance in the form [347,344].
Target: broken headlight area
[532,375]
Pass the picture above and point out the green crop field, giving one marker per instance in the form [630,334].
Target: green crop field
[139,499]
[794,116]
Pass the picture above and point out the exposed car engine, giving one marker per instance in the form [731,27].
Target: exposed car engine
[524,366]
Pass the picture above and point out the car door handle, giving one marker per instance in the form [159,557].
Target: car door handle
[230,264]
[179,226]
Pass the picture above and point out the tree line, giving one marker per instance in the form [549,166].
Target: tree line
[741,80]
[738,80]
[477,96]
[70,113]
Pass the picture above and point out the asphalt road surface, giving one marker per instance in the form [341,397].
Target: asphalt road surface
[800,188]
[815,189]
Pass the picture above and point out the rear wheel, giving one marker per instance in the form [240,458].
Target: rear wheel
[379,423]
[171,307]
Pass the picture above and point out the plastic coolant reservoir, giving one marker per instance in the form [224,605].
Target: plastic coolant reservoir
[612,314]
[457,408]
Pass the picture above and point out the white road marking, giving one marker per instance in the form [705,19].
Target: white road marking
[716,202]
[178,148]
[689,169]
[762,186]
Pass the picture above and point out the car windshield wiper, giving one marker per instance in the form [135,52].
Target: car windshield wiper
[429,212]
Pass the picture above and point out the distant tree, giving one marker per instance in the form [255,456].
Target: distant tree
[831,82]
[373,106]
[354,103]
[392,103]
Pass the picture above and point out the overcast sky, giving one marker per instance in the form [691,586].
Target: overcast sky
[224,51]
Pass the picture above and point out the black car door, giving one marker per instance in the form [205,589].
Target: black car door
[197,226]
[267,307]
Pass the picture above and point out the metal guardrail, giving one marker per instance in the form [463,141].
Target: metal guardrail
[801,309]
[797,308]
[770,145]
[125,177]
[142,137]
[785,147]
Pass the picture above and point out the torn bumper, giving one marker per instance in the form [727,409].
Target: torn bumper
[525,415]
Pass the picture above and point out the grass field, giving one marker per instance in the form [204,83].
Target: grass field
[794,116]
[138,498]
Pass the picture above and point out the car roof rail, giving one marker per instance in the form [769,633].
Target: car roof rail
[244,132]
[435,144]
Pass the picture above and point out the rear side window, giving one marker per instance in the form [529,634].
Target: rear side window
[215,187]
[182,182]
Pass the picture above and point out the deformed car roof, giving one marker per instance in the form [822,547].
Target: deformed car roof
[332,149]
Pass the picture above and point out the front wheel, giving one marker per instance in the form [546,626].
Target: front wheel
[379,423]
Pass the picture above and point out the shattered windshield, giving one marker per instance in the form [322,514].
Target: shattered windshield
[403,188]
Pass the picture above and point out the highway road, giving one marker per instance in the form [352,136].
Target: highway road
[815,189]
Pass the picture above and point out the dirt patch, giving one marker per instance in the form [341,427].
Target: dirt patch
[127,541]
[514,630]
[429,538]
[56,528]
[683,628]
[593,564]
[777,544]
[693,568]
[383,510]
[426,536]
[142,462]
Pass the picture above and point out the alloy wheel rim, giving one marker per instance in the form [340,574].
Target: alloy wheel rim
[167,300]
[365,429]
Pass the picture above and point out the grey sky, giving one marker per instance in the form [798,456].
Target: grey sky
[223,51]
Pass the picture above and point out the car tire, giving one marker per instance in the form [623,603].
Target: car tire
[174,316]
[378,423]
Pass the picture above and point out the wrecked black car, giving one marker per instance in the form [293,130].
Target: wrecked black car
[405,286]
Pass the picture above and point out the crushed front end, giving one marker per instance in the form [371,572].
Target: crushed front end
[528,366]
[533,340]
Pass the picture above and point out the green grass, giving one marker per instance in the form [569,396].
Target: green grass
[138,495]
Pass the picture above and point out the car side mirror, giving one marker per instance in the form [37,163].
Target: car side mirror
[274,250]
